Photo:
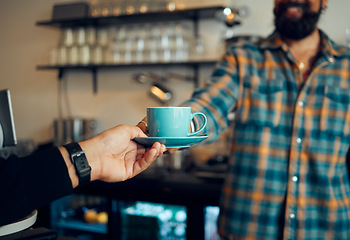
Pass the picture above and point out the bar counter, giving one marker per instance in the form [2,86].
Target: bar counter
[169,187]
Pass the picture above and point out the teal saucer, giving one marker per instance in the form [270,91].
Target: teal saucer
[171,142]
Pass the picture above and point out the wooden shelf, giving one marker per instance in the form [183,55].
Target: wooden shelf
[94,66]
[190,14]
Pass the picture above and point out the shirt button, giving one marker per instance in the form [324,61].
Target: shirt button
[298,140]
[294,178]
[292,215]
[301,104]
[331,59]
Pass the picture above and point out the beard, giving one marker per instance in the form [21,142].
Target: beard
[293,28]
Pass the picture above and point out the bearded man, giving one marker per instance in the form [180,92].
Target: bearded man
[288,177]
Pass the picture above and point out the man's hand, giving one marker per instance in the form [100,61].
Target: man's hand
[114,156]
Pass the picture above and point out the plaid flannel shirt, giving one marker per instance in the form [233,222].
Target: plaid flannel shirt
[288,176]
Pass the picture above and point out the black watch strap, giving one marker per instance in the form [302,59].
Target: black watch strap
[79,161]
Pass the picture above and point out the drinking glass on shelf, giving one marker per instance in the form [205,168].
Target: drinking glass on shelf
[67,37]
[179,42]
[154,43]
[116,56]
[117,7]
[171,33]
[128,48]
[143,6]
[197,47]
[182,40]
[146,33]
[80,36]
[121,33]
[138,56]
[137,6]
[171,6]
[130,7]
[117,48]
[95,8]
[144,37]
[153,55]
[165,35]
[73,55]
[140,44]
[102,37]
[91,35]
[106,8]
[166,55]
[112,54]
[84,54]
[97,54]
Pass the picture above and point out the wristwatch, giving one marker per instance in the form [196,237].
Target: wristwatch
[78,157]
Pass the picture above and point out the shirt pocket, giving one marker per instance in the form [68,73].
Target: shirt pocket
[262,102]
[335,116]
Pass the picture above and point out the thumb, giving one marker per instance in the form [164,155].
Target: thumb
[136,132]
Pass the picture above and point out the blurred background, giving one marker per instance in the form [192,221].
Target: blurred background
[71,79]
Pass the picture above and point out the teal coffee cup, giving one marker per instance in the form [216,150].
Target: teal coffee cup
[172,121]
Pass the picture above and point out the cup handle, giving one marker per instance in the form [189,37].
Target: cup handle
[203,126]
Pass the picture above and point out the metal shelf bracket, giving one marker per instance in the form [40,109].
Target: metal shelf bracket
[94,79]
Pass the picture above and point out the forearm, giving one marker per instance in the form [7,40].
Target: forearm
[218,98]
[70,167]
